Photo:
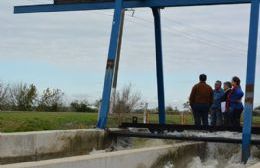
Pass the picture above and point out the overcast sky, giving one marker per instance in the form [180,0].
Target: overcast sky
[68,50]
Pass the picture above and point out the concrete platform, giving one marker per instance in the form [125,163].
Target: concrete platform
[134,158]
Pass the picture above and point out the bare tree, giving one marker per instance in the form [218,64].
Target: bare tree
[22,97]
[51,100]
[3,96]
[127,100]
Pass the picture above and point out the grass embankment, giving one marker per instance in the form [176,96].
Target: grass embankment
[37,121]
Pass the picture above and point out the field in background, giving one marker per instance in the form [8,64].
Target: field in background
[37,121]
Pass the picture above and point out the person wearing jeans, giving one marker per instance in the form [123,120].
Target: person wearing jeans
[215,110]
[226,115]
[201,98]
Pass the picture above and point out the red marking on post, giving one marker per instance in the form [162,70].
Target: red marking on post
[110,64]
[250,88]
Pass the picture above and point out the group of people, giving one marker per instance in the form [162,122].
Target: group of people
[223,104]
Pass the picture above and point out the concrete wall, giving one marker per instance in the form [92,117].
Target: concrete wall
[31,146]
[134,158]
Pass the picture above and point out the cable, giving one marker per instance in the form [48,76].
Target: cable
[187,35]
[204,30]
[181,33]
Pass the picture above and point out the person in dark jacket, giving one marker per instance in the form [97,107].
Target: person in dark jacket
[201,98]
[227,90]
[235,102]
[215,109]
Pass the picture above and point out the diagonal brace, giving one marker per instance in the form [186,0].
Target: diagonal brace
[111,61]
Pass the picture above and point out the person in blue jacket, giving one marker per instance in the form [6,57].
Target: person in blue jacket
[216,114]
[235,102]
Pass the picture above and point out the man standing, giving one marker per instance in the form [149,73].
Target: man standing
[216,114]
[201,98]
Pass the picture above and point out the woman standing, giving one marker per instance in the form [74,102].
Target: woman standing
[227,90]
[235,102]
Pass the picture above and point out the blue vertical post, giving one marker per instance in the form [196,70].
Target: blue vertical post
[159,64]
[250,79]
[112,54]
[114,83]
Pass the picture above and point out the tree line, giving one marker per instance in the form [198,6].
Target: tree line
[26,97]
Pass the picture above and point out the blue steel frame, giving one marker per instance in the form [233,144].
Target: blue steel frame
[120,5]
[112,54]
[250,79]
[126,4]
[159,64]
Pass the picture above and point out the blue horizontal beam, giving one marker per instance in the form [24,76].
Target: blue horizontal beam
[62,8]
[127,4]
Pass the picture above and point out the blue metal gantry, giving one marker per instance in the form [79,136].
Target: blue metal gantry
[119,6]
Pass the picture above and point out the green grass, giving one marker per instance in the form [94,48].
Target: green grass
[37,121]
